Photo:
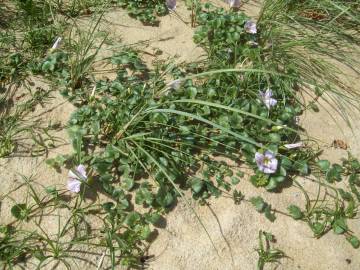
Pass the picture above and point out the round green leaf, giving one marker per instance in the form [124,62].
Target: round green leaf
[324,165]
[19,211]
[295,212]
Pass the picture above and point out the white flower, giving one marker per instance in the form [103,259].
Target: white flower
[250,27]
[76,178]
[266,97]
[234,3]
[175,84]
[294,145]
[56,43]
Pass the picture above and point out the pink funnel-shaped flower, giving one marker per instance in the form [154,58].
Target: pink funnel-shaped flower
[294,145]
[267,163]
[76,178]
[266,97]
[250,27]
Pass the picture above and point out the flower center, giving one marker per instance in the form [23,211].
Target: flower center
[266,161]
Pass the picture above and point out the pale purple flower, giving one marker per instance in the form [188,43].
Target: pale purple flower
[266,97]
[250,27]
[267,163]
[76,178]
[73,185]
[175,84]
[171,4]
[56,43]
[234,3]
[294,145]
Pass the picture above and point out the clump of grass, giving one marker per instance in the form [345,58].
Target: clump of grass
[268,254]
[75,8]
[20,133]
[315,39]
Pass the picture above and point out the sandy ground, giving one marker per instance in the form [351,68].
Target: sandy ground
[182,243]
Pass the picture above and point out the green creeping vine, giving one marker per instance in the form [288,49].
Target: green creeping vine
[146,11]
[127,124]
[337,205]
[148,135]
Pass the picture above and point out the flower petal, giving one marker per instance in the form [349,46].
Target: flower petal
[259,158]
[294,145]
[269,154]
[175,84]
[81,171]
[234,3]
[72,175]
[171,4]
[267,103]
[268,93]
[261,167]
[268,170]
[266,97]
[273,165]
[270,102]
[73,185]
[250,27]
